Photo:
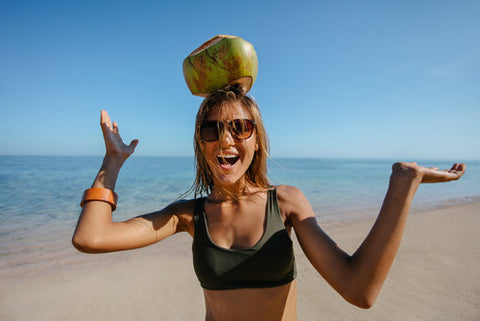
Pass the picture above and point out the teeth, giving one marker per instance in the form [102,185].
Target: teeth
[227,159]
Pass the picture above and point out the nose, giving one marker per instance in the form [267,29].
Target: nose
[225,137]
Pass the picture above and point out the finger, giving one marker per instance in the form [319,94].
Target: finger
[459,166]
[103,116]
[133,144]
[457,170]
[115,127]
[460,169]
[105,120]
[455,167]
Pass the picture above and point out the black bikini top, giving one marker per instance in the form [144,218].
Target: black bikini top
[268,263]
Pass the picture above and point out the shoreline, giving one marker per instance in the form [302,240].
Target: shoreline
[36,252]
[44,249]
[434,277]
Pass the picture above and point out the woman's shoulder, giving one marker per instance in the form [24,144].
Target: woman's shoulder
[288,193]
[291,199]
[184,210]
[184,207]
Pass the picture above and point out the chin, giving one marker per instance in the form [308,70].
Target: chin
[227,181]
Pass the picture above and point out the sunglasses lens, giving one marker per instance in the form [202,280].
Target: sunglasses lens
[238,128]
[241,128]
[209,131]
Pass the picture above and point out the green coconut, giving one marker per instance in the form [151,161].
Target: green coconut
[221,61]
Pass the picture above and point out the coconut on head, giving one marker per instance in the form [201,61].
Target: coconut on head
[221,61]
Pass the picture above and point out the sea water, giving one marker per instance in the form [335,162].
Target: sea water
[40,195]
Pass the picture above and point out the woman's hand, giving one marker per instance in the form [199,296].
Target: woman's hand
[115,147]
[429,174]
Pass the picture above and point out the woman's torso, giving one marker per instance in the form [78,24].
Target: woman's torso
[266,304]
[246,224]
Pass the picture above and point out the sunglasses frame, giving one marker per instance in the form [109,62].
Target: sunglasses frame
[220,126]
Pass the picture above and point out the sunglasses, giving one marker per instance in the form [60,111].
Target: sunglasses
[240,129]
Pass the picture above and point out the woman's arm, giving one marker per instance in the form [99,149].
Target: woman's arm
[359,277]
[96,232]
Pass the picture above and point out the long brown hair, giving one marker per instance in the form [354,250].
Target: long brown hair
[256,174]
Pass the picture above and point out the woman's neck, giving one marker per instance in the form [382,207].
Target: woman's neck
[232,193]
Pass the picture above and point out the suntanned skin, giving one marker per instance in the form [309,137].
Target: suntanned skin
[236,220]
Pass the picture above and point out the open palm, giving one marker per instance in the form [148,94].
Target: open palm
[113,141]
[433,174]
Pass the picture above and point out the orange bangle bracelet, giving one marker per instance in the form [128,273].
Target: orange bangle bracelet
[100,194]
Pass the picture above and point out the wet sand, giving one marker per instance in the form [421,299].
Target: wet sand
[436,276]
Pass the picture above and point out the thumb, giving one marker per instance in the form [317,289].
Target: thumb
[133,144]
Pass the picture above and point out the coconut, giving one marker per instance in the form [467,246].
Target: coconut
[221,61]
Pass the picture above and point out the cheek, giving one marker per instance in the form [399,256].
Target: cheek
[252,150]
[207,152]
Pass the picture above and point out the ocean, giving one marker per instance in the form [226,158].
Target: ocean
[39,202]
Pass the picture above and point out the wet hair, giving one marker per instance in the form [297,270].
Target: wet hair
[256,174]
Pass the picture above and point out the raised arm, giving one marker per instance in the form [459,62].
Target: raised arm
[95,231]
[359,277]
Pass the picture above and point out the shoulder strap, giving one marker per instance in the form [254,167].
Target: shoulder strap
[198,212]
[274,214]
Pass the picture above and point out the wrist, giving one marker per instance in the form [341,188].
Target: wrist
[108,173]
[405,174]
[404,181]
[113,162]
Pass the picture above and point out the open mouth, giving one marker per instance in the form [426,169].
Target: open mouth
[227,159]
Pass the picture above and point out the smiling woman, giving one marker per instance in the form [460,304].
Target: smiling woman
[243,124]
[241,224]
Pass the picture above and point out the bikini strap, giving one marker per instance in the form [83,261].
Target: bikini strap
[274,214]
[198,213]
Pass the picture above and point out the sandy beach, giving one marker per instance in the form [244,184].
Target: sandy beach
[434,277]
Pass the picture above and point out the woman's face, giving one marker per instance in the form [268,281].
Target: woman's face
[229,158]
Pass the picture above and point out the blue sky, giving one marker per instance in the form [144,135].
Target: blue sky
[355,79]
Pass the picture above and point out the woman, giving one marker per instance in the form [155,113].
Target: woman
[242,250]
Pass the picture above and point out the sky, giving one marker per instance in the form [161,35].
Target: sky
[336,79]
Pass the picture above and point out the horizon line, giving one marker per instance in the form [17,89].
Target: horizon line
[420,158]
